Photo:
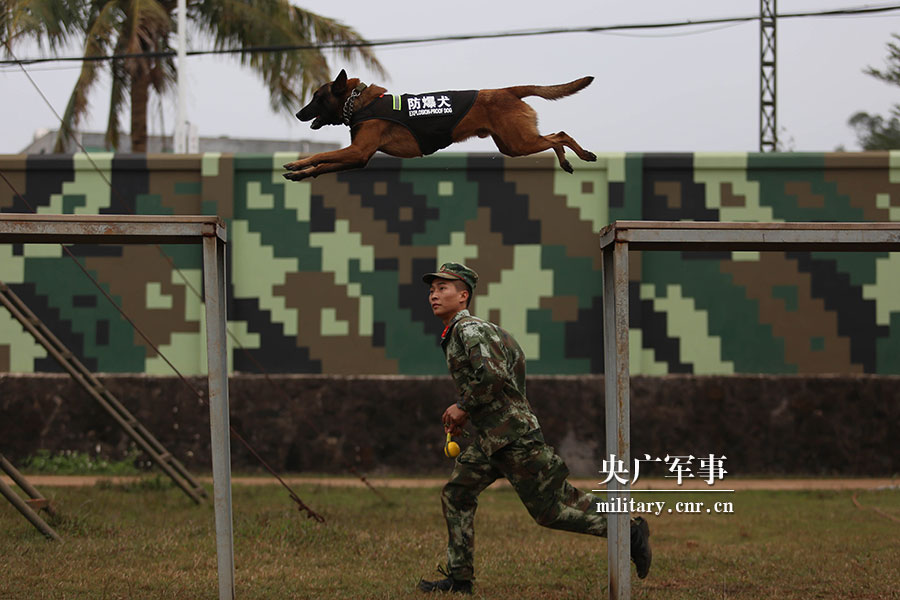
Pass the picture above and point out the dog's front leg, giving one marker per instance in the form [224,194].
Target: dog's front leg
[313,160]
[366,139]
[327,162]
[354,156]
[302,163]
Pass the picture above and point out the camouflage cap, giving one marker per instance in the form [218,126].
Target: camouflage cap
[452,270]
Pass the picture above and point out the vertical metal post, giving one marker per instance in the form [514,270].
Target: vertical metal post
[617,387]
[217,360]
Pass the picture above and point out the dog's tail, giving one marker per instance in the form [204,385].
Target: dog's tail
[551,92]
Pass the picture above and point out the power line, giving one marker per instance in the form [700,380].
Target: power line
[842,12]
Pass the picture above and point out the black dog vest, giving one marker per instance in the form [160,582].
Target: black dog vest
[429,117]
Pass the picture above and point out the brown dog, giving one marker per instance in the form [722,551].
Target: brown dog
[447,117]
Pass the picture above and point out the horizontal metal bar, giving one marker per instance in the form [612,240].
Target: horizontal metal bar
[676,235]
[110,218]
[741,225]
[109,229]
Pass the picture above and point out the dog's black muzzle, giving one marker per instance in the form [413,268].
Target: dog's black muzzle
[308,113]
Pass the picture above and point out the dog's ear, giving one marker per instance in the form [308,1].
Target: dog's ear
[340,84]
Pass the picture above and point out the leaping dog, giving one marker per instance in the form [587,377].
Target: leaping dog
[411,125]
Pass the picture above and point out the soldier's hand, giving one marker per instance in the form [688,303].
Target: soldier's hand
[454,419]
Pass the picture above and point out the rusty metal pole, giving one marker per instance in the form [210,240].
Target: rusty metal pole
[27,512]
[217,362]
[617,387]
[23,483]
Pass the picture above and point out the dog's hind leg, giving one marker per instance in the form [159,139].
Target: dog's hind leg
[520,137]
[558,141]
[533,145]
[564,139]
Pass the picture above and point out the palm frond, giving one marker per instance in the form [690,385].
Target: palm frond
[292,75]
[48,22]
[117,97]
[116,100]
[99,40]
[146,22]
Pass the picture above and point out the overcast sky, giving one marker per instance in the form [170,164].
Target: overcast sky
[686,89]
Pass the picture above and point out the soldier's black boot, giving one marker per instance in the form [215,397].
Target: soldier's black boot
[448,584]
[640,546]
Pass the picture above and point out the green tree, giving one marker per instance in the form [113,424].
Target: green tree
[140,27]
[874,132]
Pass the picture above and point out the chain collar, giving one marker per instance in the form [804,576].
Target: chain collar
[349,104]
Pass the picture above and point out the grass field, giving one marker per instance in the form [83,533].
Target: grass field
[147,540]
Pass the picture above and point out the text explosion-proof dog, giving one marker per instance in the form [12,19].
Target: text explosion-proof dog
[411,125]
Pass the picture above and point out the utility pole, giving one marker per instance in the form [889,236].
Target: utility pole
[181,109]
[768,125]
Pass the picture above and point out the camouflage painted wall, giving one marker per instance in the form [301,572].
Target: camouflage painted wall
[325,275]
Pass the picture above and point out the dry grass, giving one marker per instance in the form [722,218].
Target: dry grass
[146,540]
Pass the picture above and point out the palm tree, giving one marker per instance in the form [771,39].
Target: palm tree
[145,27]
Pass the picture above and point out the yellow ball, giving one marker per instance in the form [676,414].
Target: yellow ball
[451,449]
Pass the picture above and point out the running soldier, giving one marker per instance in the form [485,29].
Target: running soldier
[488,368]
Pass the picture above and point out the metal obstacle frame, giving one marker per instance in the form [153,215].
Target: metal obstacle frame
[157,229]
[28,508]
[83,376]
[616,240]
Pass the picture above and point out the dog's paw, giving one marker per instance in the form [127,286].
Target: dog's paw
[567,166]
[294,176]
[590,157]
[289,167]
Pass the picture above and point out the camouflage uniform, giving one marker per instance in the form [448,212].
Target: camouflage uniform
[488,368]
